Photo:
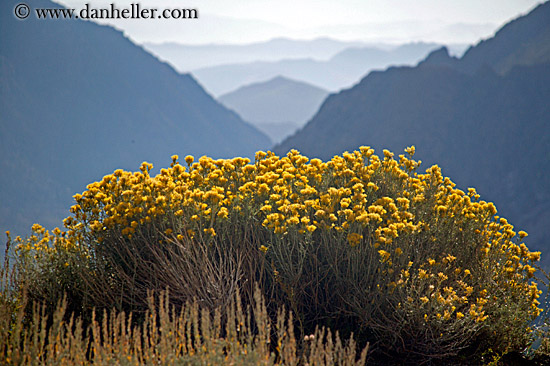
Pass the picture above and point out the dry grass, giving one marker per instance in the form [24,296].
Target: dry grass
[167,336]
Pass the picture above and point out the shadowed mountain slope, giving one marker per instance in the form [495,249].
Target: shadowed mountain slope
[484,118]
[79,100]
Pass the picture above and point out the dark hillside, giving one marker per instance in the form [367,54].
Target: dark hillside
[79,100]
[485,121]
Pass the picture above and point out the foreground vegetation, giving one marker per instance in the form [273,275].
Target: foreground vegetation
[415,269]
[190,336]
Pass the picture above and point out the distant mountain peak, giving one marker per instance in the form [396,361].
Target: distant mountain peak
[278,82]
[280,78]
[277,106]
[440,56]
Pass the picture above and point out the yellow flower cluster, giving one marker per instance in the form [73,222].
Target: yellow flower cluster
[42,242]
[366,201]
[286,193]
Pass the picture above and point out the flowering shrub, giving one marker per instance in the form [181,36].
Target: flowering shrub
[360,243]
[46,268]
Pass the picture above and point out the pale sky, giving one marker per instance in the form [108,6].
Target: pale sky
[246,21]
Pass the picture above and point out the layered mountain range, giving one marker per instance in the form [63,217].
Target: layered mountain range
[188,57]
[484,118]
[78,100]
[278,107]
[341,70]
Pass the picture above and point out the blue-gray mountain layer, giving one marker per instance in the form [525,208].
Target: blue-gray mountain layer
[484,118]
[78,100]
[342,70]
[277,106]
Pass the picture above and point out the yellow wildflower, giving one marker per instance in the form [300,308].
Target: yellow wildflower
[354,239]
[311,228]
[522,234]
[384,255]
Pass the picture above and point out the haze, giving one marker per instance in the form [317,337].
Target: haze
[388,21]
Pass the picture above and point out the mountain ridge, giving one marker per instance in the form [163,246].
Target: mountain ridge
[187,57]
[486,125]
[80,100]
[342,70]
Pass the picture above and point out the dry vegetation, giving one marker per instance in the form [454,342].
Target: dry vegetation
[415,269]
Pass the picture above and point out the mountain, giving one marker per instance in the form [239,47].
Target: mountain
[342,70]
[277,107]
[189,57]
[484,118]
[78,100]
[524,41]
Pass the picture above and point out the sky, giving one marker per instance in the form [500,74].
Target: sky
[389,21]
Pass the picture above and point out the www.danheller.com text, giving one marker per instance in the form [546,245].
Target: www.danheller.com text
[133,11]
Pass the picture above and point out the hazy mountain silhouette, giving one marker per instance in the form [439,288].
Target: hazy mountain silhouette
[79,100]
[342,70]
[189,57]
[277,107]
[484,118]
[523,41]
